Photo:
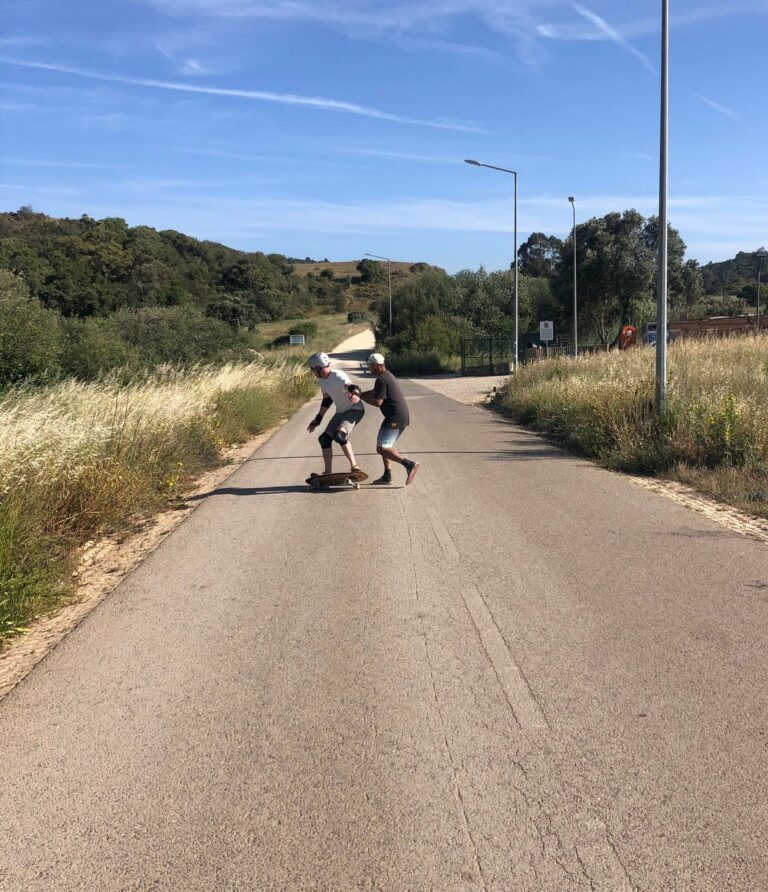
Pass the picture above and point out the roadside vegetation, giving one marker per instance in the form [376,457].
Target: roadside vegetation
[714,434]
[78,460]
[129,360]
[616,258]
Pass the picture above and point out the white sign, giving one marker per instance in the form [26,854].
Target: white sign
[296,340]
[546,331]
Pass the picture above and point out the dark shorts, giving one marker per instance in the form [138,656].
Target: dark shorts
[388,434]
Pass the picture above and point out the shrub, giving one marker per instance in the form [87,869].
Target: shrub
[92,347]
[431,363]
[308,329]
[30,335]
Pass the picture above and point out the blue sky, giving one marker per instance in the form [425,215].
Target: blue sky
[331,129]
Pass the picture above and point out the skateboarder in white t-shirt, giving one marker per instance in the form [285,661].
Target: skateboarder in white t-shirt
[339,391]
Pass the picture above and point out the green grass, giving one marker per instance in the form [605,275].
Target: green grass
[408,364]
[714,434]
[331,331]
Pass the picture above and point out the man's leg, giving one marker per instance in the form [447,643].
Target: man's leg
[385,446]
[340,436]
[328,460]
[326,444]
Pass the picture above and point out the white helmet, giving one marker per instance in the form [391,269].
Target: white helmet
[319,361]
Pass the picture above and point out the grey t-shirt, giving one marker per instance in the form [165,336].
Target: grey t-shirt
[394,407]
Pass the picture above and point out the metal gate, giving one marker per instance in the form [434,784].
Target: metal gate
[487,356]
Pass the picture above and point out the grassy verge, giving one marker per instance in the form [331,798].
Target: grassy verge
[78,460]
[331,330]
[714,434]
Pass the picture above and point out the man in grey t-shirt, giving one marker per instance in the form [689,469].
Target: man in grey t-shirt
[388,396]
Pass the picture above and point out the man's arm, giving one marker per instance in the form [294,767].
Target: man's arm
[319,417]
[368,397]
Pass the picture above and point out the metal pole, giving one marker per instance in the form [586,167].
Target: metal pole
[759,272]
[575,301]
[517,312]
[661,297]
[389,276]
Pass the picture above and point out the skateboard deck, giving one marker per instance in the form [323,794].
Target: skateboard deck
[346,478]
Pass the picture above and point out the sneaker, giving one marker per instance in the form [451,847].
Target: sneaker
[384,480]
[412,467]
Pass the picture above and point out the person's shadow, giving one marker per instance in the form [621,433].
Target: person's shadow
[264,491]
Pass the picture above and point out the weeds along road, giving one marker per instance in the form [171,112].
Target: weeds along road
[520,673]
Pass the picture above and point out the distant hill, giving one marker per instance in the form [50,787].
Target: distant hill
[734,276]
[85,267]
[359,292]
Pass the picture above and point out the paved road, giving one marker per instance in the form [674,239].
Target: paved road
[520,673]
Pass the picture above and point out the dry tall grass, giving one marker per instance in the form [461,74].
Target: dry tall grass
[714,433]
[77,459]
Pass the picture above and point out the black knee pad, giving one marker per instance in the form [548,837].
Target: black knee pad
[325,440]
[340,437]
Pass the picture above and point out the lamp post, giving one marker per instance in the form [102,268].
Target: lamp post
[517,313]
[389,277]
[661,296]
[761,255]
[575,303]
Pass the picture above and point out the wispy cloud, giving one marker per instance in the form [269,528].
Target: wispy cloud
[724,110]
[255,95]
[612,34]
[650,24]
[420,24]
[48,162]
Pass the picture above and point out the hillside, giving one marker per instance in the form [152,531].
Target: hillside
[361,290]
[735,276]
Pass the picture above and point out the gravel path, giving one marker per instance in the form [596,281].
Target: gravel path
[467,390]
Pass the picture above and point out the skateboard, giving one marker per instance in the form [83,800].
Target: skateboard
[347,478]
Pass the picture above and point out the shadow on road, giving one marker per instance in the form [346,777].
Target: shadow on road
[267,491]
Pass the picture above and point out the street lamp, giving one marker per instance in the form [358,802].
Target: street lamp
[389,277]
[661,296]
[761,255]
[575,304]
[514,174]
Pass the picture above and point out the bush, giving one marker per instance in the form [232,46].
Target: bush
[179,335]
[30,335]
[431,363]
[93,346]
[308,329]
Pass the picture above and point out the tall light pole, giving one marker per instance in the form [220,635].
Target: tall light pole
[661,297]
[575,304]
[761,255]
[389,277]
[517,311]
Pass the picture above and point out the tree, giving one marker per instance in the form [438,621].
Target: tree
[616,257]
[540,255]
[371,272]
[692,283]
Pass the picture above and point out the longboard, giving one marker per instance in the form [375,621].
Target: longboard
[347,478]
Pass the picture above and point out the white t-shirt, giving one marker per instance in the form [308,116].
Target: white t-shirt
[335,386]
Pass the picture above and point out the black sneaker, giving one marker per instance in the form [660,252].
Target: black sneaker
[412,468]
[384,480]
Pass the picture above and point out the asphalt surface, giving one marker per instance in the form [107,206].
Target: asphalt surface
[519,673]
